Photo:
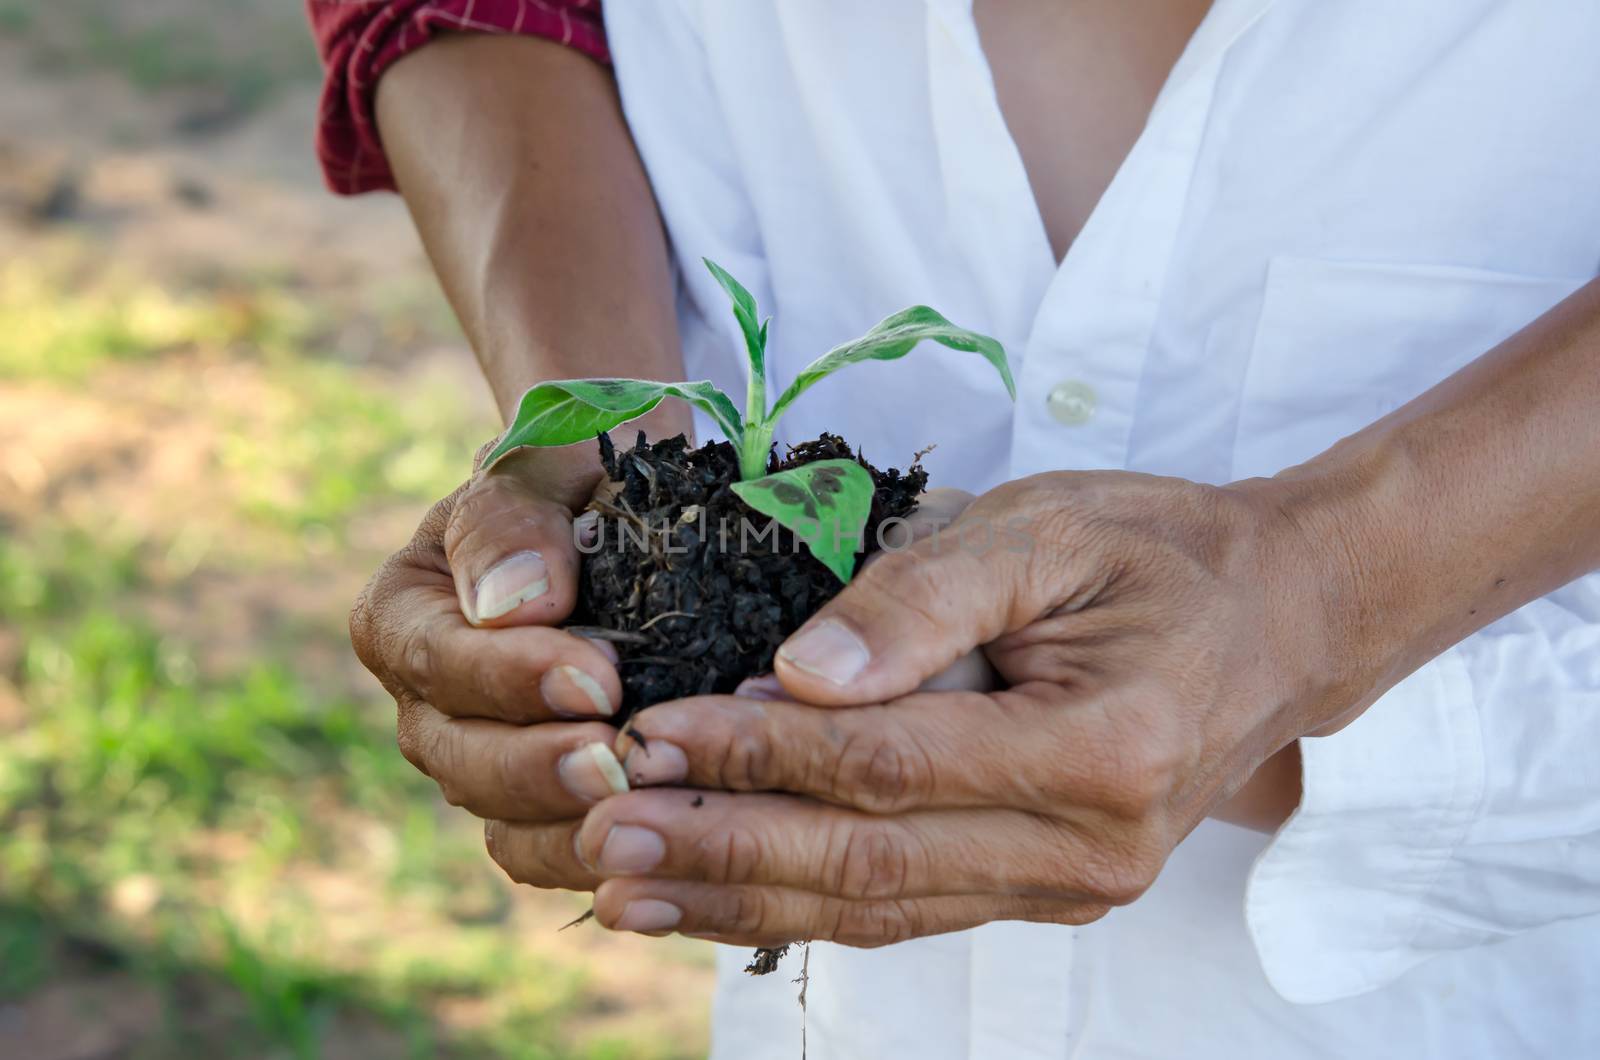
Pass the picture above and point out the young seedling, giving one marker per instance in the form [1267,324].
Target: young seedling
[825,503]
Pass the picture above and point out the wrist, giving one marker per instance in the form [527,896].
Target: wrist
[1336,581]
[1269,797]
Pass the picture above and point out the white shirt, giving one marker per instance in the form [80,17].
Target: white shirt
[1334,206]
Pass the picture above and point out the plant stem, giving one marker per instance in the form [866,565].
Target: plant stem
[753,449]
[757,431]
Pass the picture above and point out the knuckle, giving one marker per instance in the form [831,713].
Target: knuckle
[473,505]
[869,925]
[410,747]
[483,452]
[526,856]
[1136,794]
[413,653]
[361,622]
[1136,778]
[740,911]
[872,864]
[387,639]
[733,856]
[368,622]
[1122,877]
[430,532]
[441,753]
[522,786]
[408,737]
[383,648]
[495,506]
[883,772]
[515,862]
[748,763]
[909,582]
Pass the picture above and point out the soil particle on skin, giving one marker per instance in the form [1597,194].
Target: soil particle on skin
[696,590]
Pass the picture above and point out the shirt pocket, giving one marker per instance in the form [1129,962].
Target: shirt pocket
[1339,345]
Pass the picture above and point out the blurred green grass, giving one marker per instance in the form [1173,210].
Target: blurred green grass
[195,794]
[243,52]
[209,844]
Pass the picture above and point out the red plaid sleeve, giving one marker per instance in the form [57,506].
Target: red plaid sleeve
[360,39]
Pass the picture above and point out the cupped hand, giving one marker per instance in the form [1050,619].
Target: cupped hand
[1161,641]
[503,711]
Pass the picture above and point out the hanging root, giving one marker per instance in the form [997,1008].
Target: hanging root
[804,981]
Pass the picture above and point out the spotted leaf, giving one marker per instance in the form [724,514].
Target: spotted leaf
[825,504]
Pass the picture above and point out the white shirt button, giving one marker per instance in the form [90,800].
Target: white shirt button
[1071,403]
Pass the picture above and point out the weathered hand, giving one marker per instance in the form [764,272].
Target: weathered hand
[499,549]
[1161,641]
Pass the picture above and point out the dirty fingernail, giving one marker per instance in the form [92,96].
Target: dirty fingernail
[586,529]
[509,584]
[767,687]
[592,773]
[829,650]
[630,849]
[569,690]
[658,762]
[648,914]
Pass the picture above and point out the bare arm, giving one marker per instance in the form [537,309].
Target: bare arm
[1480,496]
[515,161]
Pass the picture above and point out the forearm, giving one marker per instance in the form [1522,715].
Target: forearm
[514,159]
[1480,496]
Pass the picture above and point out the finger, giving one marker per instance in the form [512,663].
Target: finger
[783,841]
[944,750]
[906,617]
[1104,761]
[511,549]
[516,674]
[771,916]
[970,673]
[506,772]
[539,855]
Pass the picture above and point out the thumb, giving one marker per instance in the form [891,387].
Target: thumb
[510,547]
[903,619]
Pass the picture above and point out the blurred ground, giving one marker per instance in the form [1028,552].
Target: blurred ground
[224,396]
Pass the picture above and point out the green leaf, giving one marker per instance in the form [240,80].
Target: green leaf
[894,338]
[825,504]
[575,410]
[744,311]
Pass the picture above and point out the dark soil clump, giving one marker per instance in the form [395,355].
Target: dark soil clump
[695,589]
[765,960]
